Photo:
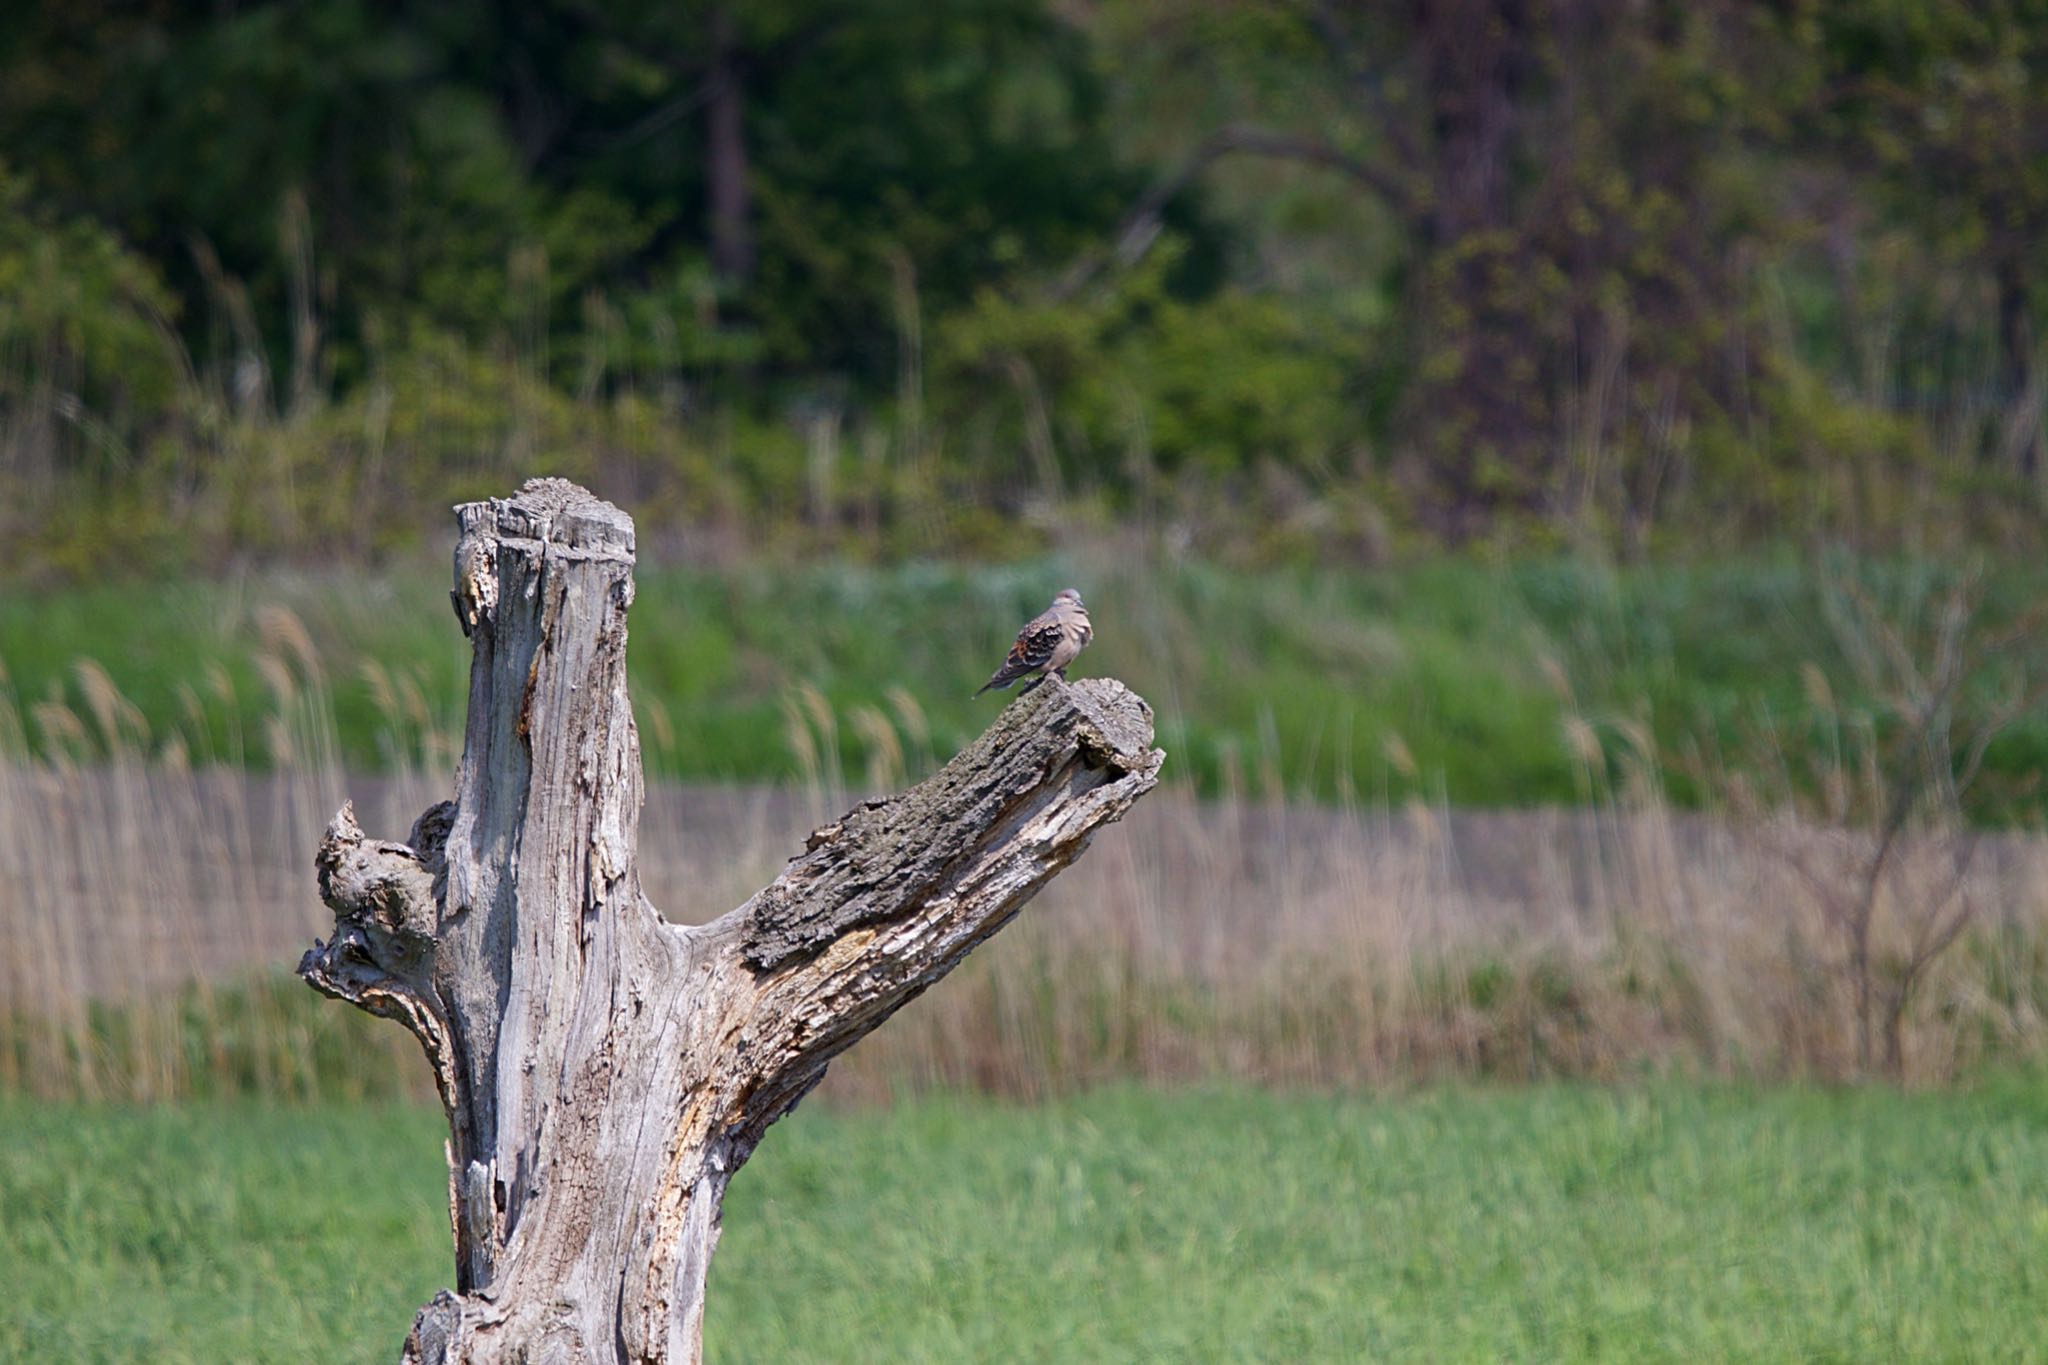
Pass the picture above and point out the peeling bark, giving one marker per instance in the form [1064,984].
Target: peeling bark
[606,1073]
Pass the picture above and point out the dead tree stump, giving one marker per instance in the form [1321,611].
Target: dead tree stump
[605,1072]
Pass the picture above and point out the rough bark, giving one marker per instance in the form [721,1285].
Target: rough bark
[605,1073]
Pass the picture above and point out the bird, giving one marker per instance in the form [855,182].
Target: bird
[1048,642]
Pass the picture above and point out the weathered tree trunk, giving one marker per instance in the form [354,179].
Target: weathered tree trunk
[606,1072]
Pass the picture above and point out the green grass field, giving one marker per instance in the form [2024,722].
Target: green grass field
[1452,680]
[1550,1223]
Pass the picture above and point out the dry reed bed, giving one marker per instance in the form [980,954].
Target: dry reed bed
[1248,939]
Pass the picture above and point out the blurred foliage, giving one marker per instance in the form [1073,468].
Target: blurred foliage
[1290,282]
[83,327]
[1136,377]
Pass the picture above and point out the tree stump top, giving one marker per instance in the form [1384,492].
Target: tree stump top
[558,512]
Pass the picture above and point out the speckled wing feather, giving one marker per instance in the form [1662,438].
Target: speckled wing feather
[1033,650]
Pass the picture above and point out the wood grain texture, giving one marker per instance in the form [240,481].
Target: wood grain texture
[606,1073]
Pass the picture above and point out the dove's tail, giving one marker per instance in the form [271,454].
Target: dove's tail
[1002,679]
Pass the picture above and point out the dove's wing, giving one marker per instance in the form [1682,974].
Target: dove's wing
[1033,650]
[1035,645]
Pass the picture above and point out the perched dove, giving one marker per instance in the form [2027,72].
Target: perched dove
[1048,643]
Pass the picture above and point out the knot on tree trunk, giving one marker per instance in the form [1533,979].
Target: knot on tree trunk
[606,1073]
[380,959]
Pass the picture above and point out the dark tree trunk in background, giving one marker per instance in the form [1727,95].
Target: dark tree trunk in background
[732,232]
[1480,424]
[605,1072]
[1474,54]
[2015,338]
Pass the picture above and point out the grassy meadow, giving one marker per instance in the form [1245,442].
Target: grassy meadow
[1317,898]
[1177,1111]
[1455,680]
[1664,1223]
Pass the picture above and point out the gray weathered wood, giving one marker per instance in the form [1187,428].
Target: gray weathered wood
[605,1073]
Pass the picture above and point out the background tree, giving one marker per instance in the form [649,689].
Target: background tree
[1940,107]
[1450,270]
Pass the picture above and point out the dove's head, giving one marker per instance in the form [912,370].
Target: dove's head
[1072,596]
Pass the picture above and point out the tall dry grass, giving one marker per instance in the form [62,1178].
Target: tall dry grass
[153,900]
